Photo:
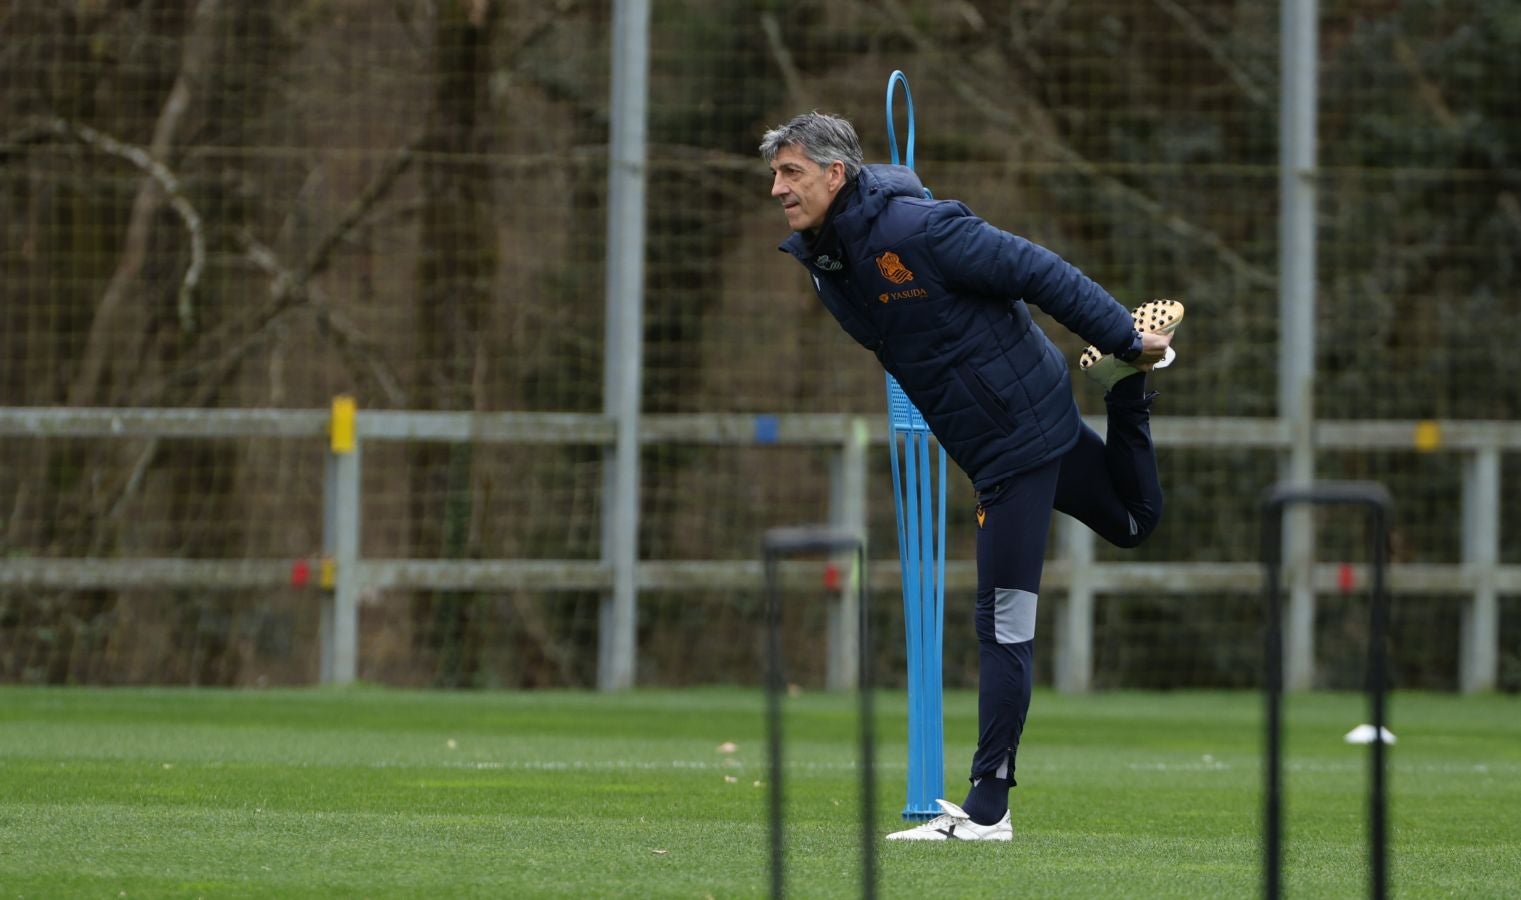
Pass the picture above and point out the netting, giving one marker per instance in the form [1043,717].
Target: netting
[253,204]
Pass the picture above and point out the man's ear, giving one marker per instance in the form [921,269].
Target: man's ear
[835,176]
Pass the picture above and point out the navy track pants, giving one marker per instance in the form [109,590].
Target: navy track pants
[1112,487]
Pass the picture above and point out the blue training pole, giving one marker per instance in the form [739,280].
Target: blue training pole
[919,505]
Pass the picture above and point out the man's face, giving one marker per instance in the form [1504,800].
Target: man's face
[804,188]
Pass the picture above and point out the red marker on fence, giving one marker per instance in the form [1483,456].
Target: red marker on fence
[1346,579]
[300,573]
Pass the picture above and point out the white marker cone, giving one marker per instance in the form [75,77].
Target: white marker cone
[1363,734]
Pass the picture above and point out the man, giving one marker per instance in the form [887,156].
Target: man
[940,296]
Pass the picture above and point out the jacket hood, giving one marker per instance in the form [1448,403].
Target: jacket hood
[881,183]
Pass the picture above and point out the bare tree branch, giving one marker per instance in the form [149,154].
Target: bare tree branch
[403,11]
[1222,57]
[1048,139]
[170,185]
[350,339]
[29,134]
[553,13]
[784,63]
[133,482]
[220,351]
[1430,94]
[382,183]
[105,325]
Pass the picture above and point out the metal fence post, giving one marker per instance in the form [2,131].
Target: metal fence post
[1074,648]
[622,382]
[847,513]
[1479,650]
[341,663]
[1298,101]
[327,577]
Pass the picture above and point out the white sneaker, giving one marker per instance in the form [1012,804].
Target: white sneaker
[955,825]
[1155,316]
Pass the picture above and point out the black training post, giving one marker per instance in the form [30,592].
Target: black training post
[1376,500]
[779,544]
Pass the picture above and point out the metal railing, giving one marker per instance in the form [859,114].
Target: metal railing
[1072,572]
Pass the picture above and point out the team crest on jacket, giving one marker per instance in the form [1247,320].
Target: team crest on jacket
[893,269]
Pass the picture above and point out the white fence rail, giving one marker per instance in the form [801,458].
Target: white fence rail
[1478,580]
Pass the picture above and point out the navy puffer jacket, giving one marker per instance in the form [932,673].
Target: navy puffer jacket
[940,296]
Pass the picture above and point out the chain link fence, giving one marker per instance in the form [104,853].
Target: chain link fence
[250,204]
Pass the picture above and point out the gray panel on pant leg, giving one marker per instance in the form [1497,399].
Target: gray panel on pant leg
[1013,616]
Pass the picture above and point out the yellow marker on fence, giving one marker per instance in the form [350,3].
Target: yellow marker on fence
[1428,435]
[327,573]
[342,426]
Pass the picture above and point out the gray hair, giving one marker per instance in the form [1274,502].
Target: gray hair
[823,138]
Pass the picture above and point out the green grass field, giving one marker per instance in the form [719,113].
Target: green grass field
[379,793]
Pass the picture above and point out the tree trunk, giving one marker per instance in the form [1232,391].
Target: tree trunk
[457,261]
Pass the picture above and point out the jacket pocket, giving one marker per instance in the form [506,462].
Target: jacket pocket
[991,402]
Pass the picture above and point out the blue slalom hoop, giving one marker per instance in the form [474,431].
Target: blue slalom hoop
[893,80]
[920,511]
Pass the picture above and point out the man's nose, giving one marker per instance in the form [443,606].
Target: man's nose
[777,187]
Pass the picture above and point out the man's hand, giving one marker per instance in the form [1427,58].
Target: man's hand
[1153,348]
